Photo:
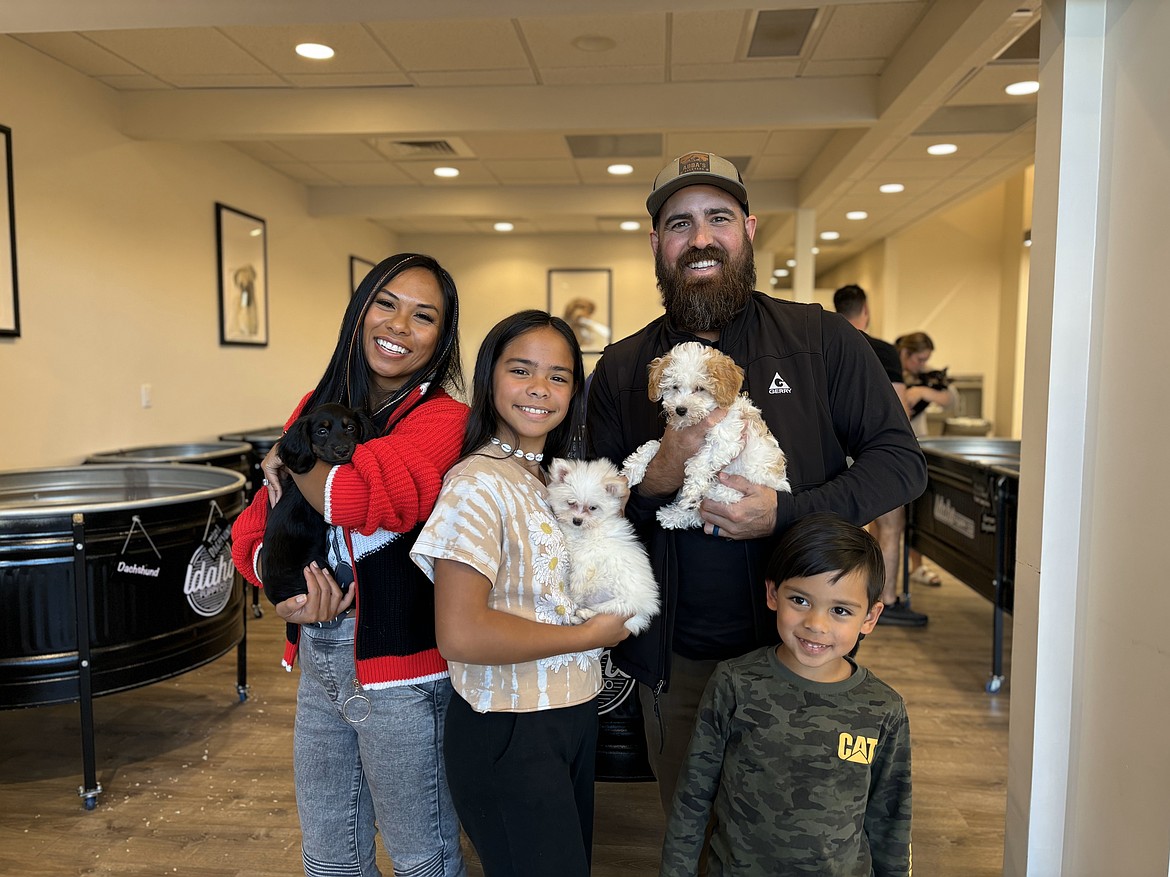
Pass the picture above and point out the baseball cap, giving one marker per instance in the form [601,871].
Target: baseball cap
[696,169]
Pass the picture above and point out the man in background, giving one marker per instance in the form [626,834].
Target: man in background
[850,302]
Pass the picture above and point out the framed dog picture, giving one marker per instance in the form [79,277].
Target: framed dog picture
[9,300]
[241,243]
[584,298]
[358,269]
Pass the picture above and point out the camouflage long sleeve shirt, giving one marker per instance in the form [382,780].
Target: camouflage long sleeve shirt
[803,777]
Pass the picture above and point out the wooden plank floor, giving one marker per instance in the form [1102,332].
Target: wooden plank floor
[198,784]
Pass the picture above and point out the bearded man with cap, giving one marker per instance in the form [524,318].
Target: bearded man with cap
[823,394]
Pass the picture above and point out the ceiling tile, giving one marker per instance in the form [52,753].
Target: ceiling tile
[534,144]
[364,173]
[455,78]
[262,150]
[988,84]
[719,142]
[356,51]
[638,40]
[844,67]
[79,53]
[387,79]
[642,75]
[533,171]
[797,142]
[970,146]
[329,149]
[779,167]
[134,82]
[740,70]
[225,80]
[172,52]
[708,37]
[471,173]
[301,172]
[567,224]
[872,30]
[593,171]
[452,44]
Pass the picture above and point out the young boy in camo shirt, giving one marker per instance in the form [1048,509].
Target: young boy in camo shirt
[803,755]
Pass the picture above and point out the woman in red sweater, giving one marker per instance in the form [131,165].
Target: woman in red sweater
[373,693]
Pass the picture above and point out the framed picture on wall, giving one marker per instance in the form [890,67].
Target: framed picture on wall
[584,298]
[358,269]
[241,244]
[9,299]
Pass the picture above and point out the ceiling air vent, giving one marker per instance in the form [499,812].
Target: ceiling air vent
[780,33]
[450,147]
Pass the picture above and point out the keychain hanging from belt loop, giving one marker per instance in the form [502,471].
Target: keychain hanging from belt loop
[356,708]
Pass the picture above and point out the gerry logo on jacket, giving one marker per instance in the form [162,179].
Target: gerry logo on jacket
[857,749]
[779,385]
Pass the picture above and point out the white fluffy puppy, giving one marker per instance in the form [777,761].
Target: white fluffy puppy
[691,381]
[609,571]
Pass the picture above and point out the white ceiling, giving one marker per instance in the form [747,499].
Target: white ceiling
[504,86]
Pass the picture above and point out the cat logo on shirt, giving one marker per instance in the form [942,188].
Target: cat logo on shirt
[856,749]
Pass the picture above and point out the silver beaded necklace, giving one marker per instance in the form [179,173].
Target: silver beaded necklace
[517,452]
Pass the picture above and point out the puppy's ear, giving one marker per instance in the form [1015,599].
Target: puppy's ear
[558,469]
[657,367]
[296,447]
[726,379]
[365,425]
[616,485]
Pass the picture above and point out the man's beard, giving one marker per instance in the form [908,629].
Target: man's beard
[706,304]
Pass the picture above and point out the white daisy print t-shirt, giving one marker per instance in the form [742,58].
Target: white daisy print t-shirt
[493,516]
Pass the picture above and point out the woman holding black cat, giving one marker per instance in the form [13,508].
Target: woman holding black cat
[373,692]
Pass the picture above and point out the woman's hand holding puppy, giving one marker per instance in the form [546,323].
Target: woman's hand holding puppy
[324,600]
[272,466]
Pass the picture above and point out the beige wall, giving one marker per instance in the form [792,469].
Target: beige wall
[953,276]
[500,275]
[117,260]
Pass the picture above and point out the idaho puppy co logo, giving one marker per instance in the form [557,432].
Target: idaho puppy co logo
[858,749]
[211,574]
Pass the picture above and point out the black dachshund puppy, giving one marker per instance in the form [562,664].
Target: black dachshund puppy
[296,533]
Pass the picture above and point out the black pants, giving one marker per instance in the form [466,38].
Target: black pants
[523,787]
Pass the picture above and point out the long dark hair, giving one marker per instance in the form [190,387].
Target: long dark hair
[484,420]
[347,378]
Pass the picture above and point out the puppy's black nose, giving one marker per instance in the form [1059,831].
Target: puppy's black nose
[577,522]
[680,411]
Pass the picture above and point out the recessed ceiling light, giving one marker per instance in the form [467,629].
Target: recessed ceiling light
[891,188]
[594,43]
[256,232]
[503,226]
[815,250]
[942,149]
[630,225]
[791,263]
[1029,86]
[620,170]
[781,272]
[314,51]
[446,172]
[857,214]
[830,235]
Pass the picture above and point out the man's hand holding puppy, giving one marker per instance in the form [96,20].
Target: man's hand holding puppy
[664,474]
[753,517]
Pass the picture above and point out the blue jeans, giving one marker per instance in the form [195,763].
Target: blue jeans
[367,761]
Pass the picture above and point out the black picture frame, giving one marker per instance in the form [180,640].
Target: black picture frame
[584,298]
[9,288]
[241,250]
[358,269]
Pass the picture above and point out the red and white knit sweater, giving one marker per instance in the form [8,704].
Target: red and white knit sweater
[382,498]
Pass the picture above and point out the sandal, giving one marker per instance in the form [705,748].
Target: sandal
[924,575]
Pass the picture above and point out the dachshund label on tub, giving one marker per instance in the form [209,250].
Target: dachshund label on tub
[139,559]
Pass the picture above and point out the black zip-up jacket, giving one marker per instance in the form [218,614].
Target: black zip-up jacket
[825,397]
